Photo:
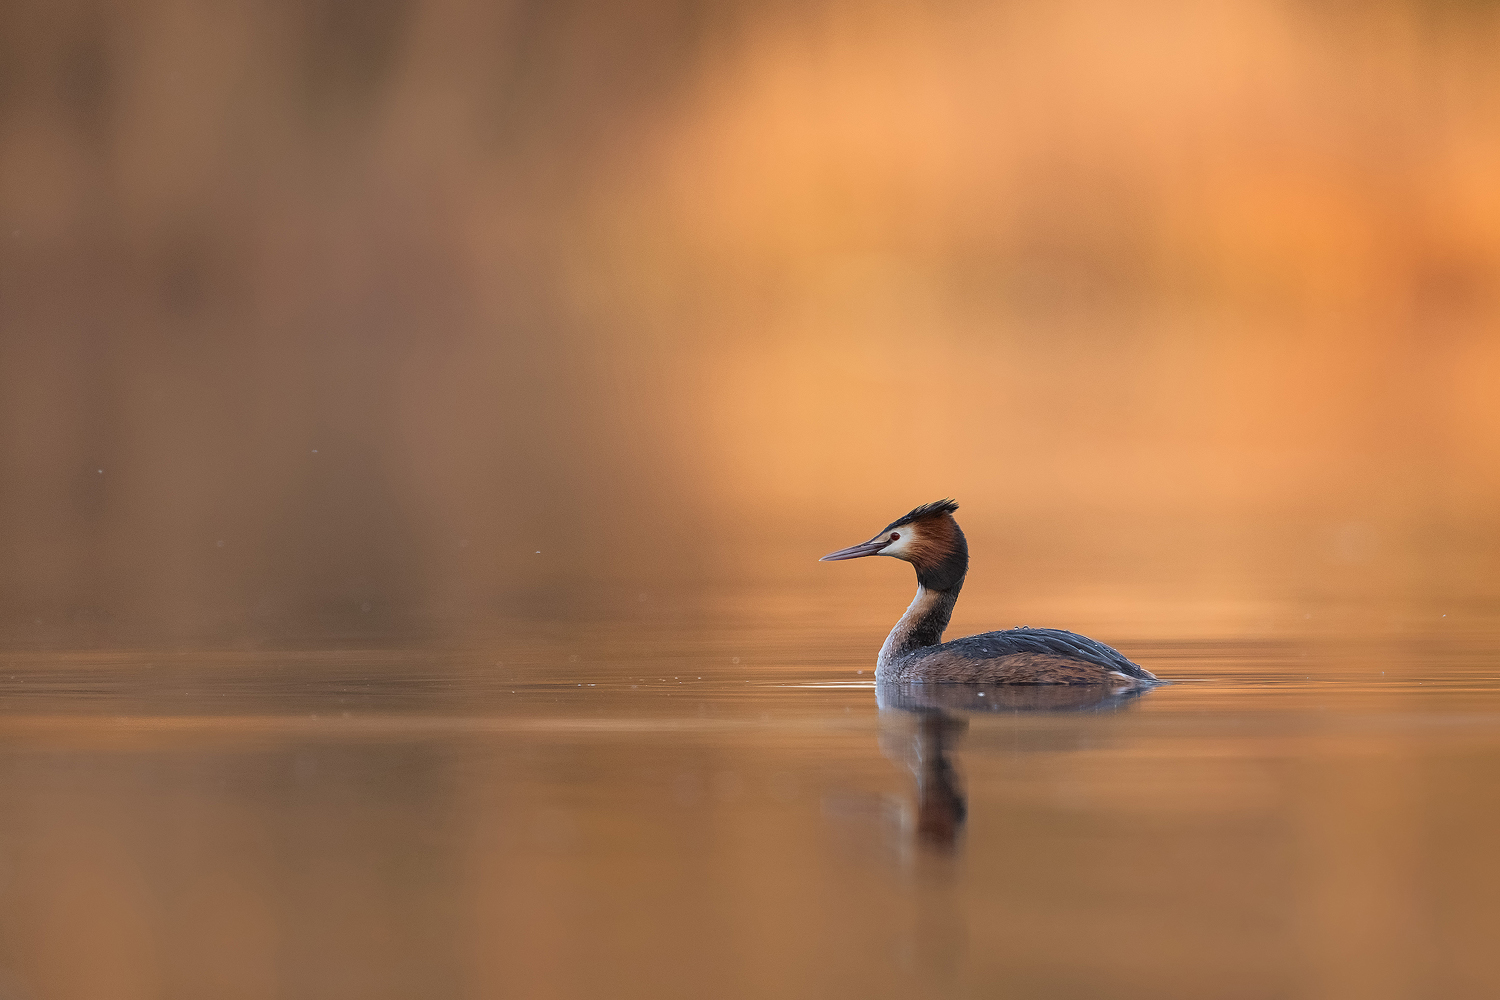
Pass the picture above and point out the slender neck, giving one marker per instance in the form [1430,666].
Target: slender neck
[922,625]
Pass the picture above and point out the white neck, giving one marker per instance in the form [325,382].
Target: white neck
[921,626]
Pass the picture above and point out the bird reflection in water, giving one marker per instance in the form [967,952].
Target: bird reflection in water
[941,715]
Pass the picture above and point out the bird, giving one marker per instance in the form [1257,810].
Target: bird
[930,539]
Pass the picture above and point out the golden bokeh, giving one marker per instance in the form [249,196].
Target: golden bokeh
[341,313]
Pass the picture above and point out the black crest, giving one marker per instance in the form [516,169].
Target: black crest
[935,509]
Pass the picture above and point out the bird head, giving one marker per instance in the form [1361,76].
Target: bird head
[928,538]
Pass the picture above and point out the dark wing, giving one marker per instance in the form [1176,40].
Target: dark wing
[1053,641]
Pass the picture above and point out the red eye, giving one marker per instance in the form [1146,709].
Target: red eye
[895,535]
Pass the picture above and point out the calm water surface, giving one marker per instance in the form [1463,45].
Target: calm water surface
[625,810]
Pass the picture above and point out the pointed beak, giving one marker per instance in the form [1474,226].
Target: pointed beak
[869,548]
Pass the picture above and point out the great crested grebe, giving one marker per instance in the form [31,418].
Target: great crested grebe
[931,541]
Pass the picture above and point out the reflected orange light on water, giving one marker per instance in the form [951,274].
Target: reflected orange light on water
[419,421]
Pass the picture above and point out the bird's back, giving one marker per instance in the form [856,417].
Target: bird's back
[1020,656]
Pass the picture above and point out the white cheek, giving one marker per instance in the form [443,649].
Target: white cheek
[897,547]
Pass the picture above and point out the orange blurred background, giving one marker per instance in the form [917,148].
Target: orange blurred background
[379,318]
